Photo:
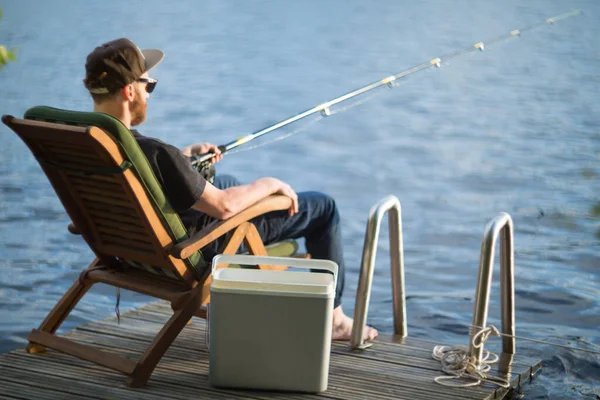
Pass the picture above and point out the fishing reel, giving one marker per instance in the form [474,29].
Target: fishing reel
[206,169]
[202,164]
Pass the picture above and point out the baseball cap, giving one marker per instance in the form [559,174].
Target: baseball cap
[117,63]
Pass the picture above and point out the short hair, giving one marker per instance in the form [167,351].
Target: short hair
[99,98]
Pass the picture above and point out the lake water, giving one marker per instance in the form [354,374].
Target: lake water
[513,129]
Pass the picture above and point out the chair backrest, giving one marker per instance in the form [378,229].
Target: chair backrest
[108,188]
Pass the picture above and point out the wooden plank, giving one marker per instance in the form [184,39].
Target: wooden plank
[130,244]
[137,279]
[101,185]
[131,249]
[60,378]
[179,359]
[27,391]
[66,153]
[102,210]
[386,370]
[377,374]
[94,387]
[142,282]
[121,233]
[333,387]
[91,162]
[339,387]
[82,143]
[151,320]
[157,312]
[425,358]
[149,257]
[81,147]
[122,221]
[176,385]
[201,315]
[114,179]
[172,372]
[115,193]
[115,224]
[406,354]
[122,364]
[75,161]
[356,369]
[61,153]
[92,198]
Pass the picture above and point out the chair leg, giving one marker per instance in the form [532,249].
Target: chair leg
[164,338]
[236,239]
[256,247]
[61,310]
[232,246]
[254,242]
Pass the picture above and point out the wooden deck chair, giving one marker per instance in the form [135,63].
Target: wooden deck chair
[115,202]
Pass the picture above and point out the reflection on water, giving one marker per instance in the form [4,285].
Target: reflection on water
[596,215]
[513,129]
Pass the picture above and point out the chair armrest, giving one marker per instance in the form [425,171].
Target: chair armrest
[73,229]
[218,228]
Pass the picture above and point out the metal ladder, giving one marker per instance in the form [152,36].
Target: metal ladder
[499,225]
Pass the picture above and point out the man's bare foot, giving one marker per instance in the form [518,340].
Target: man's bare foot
[342,327]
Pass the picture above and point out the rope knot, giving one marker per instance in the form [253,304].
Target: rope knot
[494,330]
[459,364]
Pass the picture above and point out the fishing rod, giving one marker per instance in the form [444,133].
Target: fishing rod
[202,162]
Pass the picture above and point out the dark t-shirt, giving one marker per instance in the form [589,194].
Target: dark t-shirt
[182,185]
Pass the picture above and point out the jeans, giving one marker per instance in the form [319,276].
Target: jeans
[317,221]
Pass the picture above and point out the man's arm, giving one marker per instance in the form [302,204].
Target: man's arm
[224,203]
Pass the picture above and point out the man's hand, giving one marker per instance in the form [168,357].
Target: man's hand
[286,190]
[203,148]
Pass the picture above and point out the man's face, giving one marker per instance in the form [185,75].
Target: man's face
[138,106]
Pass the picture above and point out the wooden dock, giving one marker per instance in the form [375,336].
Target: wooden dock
[401,369]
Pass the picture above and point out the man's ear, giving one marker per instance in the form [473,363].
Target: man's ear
[128,92]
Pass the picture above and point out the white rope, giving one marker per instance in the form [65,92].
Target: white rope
[456,362]
[459,365]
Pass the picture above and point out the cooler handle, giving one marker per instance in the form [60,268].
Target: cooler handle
[267,260]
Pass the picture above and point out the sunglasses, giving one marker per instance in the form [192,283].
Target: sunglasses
[150,83]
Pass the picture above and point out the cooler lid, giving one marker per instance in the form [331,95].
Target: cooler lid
[268,282]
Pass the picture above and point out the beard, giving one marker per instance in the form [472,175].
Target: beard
[137,109]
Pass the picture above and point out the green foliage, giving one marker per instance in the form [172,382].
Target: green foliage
[6,55]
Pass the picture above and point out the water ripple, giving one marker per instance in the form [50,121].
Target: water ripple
[506,130]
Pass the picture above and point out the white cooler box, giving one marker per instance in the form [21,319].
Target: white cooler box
[271,330]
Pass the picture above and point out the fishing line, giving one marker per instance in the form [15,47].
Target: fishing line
[491,330]
[202,162]
[311,122]
[277,139]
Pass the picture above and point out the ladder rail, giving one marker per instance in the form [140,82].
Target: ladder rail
[500,226]
[390,205]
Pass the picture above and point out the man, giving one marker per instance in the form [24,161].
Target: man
[118,81]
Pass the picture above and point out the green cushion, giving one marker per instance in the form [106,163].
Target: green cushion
[285,248]
[133,153]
